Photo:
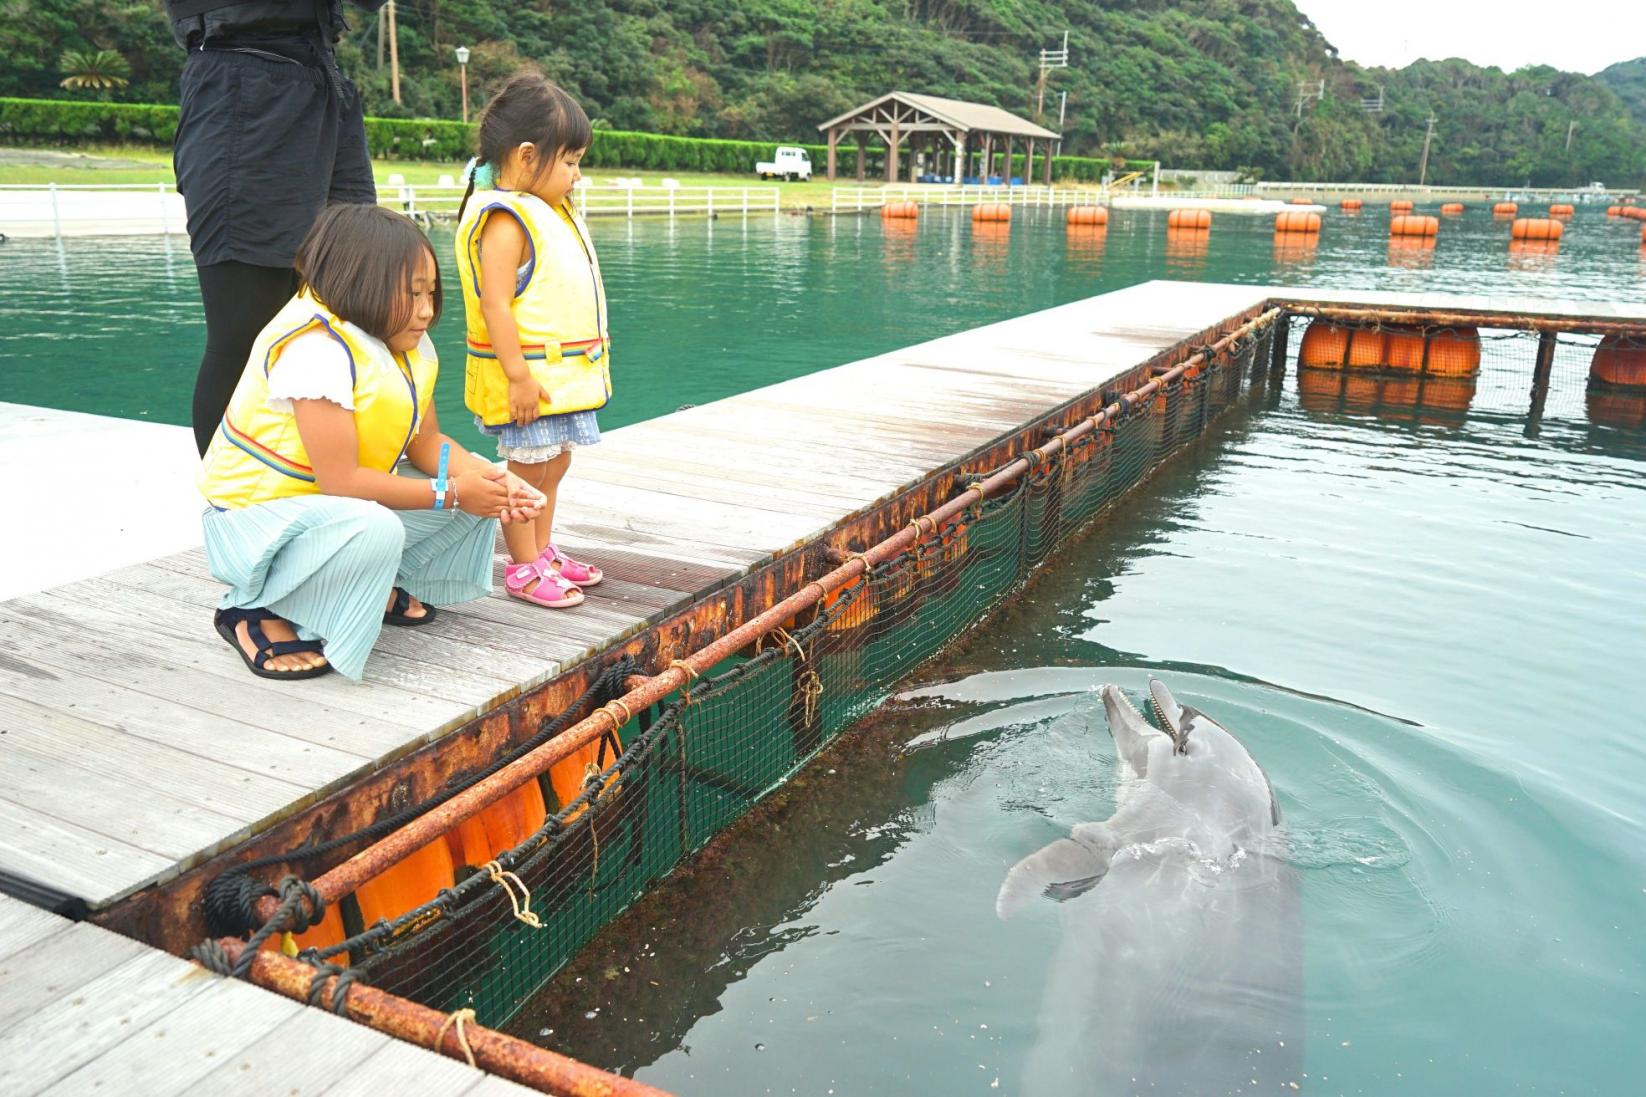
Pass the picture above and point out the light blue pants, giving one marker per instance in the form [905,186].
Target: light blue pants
[327,564]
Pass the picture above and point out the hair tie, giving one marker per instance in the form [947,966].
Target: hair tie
[482,175]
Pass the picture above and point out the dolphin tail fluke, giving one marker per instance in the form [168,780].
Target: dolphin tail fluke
[1062,870]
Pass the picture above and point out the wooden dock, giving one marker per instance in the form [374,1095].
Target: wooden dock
[136,747]
[88,1011]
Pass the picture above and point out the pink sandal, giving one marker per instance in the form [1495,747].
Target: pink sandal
[584,575]
[552,589]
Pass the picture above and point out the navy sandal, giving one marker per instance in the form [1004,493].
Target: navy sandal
[226,620]
[397,614]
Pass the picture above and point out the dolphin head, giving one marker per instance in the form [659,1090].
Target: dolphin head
[1187,741]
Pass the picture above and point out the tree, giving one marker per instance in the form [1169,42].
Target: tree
[94,70]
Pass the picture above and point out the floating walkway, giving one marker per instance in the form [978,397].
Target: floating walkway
[141,761]
[89,1011]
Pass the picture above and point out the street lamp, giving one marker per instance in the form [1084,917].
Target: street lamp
[463,72]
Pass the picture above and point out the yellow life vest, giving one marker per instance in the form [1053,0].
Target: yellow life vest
[257,455]
[559,309]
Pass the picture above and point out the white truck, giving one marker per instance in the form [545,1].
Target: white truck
[792,162]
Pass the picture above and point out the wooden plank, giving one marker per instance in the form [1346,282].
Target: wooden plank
[114,655]
[55,966]
[64,1034]
[183,598]
[198,670]
[175,1052]
[410,1071]
[69,734]
[305,1054]
[94,798]
[71,858]
[22,925]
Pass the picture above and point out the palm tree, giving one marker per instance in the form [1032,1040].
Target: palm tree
[93,70]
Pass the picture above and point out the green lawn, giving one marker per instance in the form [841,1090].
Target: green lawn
[142,164]
[145,164]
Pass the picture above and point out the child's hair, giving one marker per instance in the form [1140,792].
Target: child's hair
[360,260]
[531,107]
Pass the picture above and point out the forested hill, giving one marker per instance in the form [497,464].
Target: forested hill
[1230,84]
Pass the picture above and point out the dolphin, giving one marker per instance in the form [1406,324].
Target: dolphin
[1180,969]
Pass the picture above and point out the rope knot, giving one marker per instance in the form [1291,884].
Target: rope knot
[457,1020]
[522,905]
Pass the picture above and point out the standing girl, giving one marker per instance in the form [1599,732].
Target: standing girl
[538,366]
[321,543]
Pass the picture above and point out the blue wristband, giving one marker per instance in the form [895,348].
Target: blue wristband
[440,478]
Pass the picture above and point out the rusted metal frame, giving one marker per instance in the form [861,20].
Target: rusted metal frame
[1433,318]
[1540,380]
[369,862]
[494,1052]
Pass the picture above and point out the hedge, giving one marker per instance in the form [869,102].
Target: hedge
[63,122]
[54,121]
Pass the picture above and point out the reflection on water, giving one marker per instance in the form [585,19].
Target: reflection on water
[749,301]
[1400,606]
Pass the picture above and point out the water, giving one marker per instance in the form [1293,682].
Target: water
[703,309]
[1424,631]
[1424,623]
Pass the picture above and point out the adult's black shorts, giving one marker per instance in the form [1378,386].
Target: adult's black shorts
[264,143]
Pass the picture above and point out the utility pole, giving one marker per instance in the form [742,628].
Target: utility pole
[1570,126]
[1062,110]
[1309,90]
[394,52]
[1049,60]
[1423,167]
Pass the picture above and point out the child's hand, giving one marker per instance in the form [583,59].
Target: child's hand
[525,501]
[523,398]
[483,493]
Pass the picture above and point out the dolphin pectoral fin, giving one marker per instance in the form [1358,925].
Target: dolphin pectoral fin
[1062,870]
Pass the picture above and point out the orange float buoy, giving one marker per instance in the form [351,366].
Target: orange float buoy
[1561,210]
[1505,209]
[1452,208]
[1189,219]
[1400,205]
[1614,211]
[1350,204]
[899,210]
[502,826]
[1297,221]
[991,211]
[407,884]
[1619,362]
[1414,225]
[1447,352]
[1332,346]
[1087,215]
[1301,201]
[1536,228]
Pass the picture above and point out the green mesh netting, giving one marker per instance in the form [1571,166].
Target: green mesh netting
[702,758]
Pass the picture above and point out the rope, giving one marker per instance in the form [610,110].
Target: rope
[917,527]
[612,716]
[523,905]
[459,1018]
[690,673]
[788,639]
[230,900]
[345,977]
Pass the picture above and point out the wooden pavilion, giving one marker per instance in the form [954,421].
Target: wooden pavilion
[965,137]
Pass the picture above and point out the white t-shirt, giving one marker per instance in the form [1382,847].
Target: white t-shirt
[315,366]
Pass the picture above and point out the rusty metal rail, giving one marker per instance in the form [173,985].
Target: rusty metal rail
[494,1052]
[1429,318]
[373,860]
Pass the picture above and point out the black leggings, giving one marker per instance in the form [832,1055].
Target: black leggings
[240,299]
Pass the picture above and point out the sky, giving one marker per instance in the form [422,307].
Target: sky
[1586,36]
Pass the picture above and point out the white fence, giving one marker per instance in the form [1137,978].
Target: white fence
[441,200]
[115,209]
[146,209]
[855,199]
